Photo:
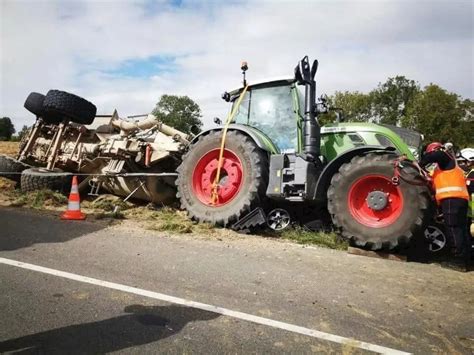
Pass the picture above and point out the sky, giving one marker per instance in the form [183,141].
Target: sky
[126,54]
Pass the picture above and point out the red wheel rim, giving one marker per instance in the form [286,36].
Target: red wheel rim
[359,206]
[231,177]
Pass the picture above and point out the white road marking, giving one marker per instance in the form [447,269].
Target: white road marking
[207,307]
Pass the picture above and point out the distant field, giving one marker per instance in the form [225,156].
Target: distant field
[9,148]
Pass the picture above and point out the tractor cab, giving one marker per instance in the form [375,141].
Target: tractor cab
[276,109]
[271,106]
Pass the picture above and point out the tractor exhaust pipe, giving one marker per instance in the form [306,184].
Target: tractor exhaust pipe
[304,75]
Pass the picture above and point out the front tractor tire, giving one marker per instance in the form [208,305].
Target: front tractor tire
[369,210]
[243,179]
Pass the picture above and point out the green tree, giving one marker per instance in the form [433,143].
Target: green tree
[356,106]
[23,132]
[179,112]
[441,116]
[6,129]
[390,100]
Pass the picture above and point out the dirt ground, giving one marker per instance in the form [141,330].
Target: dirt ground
[6,186]
[9,148]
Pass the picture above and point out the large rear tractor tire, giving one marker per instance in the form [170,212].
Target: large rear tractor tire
[369,210]
[65,105]
[243,179]
[11,168]
[40,179]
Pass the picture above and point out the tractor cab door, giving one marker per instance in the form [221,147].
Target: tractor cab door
[271,109]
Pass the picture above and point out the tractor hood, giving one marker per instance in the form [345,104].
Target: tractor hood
[371,134]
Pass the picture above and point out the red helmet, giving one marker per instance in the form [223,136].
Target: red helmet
[433,146]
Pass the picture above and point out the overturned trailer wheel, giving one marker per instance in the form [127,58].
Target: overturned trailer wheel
[41,179]
[11,168]
[34,103]
[61,104]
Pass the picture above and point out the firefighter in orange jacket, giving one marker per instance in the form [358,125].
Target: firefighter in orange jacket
[452,196]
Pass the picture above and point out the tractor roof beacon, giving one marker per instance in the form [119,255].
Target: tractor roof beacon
[278,159]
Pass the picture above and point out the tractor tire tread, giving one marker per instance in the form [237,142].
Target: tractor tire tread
[61,104]
[34,179]
[336,206]
[12,166]
[257,185]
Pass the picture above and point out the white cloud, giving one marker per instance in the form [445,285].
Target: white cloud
[72,45]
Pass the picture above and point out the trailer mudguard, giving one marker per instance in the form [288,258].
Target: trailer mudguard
[262,140]
[332,168]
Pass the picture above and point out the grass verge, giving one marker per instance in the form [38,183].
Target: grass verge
[38,199]
[324,239]
[167,219]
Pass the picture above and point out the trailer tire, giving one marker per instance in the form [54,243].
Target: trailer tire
[244,178]
[370,211]
[41,179]
[61,104]
[34,103]
[12,166]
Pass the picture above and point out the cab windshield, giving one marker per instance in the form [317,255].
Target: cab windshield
[271,110]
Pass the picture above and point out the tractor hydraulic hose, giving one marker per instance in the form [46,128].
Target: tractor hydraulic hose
[215,184]
[397,175]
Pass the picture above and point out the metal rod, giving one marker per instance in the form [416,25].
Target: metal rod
[51,144]
[75,145]
[109,175]
[56,145]
[135,190]
[134,116]
[31,141]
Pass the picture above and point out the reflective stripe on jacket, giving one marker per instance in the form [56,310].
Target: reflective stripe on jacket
[470,211]
[450,184]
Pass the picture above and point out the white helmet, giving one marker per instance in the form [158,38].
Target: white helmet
[467,154]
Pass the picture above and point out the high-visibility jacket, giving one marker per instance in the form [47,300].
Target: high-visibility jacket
[470,189]
[450,184]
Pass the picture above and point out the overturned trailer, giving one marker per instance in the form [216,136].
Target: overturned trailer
[123,157]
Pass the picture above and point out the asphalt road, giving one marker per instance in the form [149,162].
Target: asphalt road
[411,307]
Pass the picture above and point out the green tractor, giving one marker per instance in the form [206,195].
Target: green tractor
[278,165]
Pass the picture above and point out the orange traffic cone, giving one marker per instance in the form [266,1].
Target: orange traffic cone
[74,204]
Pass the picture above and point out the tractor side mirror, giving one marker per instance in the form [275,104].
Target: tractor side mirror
[194,129]
[304,72]
[226,96]
[314,68]
[298,76]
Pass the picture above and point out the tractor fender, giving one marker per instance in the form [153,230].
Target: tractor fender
[332,168]
[261,139]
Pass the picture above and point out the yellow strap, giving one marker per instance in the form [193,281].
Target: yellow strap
[214,193]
